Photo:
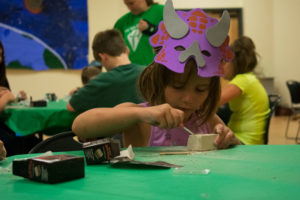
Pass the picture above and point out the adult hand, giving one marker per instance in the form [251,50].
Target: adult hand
[7,95]
[3,90]
[10,97]
[225,137]
[143,25]
[2,151]
[164,116]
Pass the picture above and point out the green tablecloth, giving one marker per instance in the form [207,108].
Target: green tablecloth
[243,172]
[25,120]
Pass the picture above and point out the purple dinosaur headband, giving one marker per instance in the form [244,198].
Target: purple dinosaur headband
[183,35]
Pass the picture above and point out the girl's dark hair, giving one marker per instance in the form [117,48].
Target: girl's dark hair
[245,59]
[3,78]
[156,77]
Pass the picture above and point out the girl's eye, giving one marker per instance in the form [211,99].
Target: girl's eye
[177,86]
[200,89]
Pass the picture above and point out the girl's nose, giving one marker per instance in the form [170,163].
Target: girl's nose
[187,98]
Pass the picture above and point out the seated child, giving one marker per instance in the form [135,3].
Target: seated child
[87,74]
[181,87]
[247,97]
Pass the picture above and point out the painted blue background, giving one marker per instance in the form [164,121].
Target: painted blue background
[37,41]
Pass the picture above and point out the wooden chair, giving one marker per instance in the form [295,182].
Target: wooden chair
[224,113]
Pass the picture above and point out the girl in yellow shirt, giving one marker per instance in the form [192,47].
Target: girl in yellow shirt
[246,96]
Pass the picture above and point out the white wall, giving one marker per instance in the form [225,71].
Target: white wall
[272,24]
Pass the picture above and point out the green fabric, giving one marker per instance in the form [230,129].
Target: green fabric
[141,51]
[24,120]
[250,109]
[243,172]
[109,89]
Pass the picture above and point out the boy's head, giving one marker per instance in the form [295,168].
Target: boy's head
[89,73]
[110,42]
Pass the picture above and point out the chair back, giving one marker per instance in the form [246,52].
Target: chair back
[294,89]
[60,142]
[224,113]
[274,100]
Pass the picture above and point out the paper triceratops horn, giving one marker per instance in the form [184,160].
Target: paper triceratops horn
[217,34]
[175,26]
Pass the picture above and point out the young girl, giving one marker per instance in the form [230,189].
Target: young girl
[248,100]
[179,93]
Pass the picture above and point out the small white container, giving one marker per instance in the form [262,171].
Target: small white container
[201,142]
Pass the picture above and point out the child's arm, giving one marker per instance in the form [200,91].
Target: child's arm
[225,136]
[103,122]
[5,97]
[2,151]
[230,92]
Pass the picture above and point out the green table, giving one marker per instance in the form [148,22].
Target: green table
[25,120]
[243,172]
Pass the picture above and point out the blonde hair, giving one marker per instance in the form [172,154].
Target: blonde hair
[156,77]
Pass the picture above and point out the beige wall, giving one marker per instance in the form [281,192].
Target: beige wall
[271,23]
[286,44]
[258,24]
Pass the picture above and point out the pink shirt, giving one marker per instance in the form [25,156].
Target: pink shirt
[177,136]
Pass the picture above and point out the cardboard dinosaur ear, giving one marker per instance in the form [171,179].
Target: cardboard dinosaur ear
[192,35]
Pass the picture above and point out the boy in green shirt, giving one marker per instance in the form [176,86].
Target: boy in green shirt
[115,86]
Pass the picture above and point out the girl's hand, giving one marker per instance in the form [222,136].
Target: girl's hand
[164,116]
[225,137]
[2,151]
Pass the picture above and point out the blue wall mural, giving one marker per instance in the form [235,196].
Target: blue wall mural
[44,34]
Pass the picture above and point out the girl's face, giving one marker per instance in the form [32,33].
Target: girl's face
[228,71]
[136,7]
[187,95]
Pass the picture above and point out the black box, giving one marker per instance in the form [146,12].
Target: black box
[38,103]
[102,150]
[50,169]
